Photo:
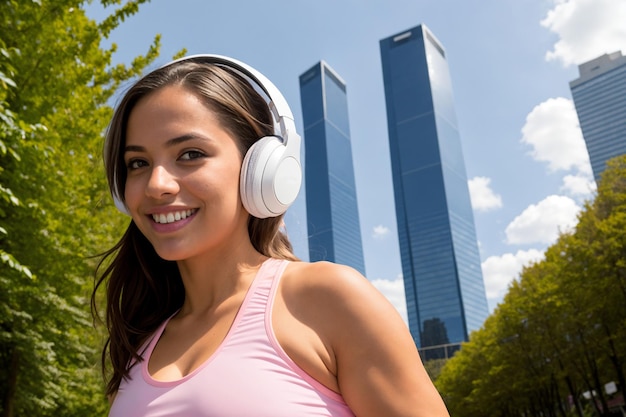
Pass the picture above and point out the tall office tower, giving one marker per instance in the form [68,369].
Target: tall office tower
[443,282]
[332,212]
[600,99]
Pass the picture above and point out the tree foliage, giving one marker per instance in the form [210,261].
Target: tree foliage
[55,212]
[560,333]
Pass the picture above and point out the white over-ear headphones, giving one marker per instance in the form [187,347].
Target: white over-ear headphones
[271,173]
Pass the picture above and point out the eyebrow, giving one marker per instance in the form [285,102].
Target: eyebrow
[171,142]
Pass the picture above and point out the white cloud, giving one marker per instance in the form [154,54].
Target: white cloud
[482,196]
[586,29]
[499,271]
[380,231]
[553,131]
[541,223]
[394,292]
[578,185]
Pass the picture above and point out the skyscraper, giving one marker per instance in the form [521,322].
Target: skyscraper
[600,99]
[332,211]
[443,281]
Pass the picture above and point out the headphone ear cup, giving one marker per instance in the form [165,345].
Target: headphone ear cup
[270,180]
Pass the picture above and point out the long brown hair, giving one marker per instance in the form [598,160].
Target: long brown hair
[142,289]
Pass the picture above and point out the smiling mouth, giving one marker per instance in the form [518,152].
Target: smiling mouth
[173,216]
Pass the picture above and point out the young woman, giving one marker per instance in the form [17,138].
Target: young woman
[208,310]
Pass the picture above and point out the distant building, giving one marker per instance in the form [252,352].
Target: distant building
[332,211]
[600,99]
[443,281]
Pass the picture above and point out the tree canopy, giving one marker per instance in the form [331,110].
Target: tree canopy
[55,212]
[559,337]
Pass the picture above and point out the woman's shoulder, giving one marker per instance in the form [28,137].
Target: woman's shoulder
[324,277]
[331,290]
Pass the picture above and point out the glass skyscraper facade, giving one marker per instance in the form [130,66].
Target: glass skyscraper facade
[600,98]
[332,211]
[443,281]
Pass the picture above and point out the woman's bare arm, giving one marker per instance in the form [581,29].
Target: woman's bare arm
[378,368]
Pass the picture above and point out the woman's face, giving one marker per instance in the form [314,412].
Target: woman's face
[182,187]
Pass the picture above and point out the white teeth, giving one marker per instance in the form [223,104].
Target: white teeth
[172,217]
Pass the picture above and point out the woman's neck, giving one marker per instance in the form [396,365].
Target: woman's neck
[213,278]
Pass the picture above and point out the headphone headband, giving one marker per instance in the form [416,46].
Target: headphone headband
[278,105]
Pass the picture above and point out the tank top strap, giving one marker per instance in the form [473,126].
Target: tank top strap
[269,276]
[258,303]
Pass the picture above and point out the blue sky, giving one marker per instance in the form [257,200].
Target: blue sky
[511,62]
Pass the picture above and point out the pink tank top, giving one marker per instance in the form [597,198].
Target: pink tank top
[249,375]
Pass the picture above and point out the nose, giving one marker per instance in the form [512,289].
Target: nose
[161,183]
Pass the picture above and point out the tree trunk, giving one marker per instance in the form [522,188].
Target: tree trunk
[599,389]
[617,364]
[574,394]
[9,398]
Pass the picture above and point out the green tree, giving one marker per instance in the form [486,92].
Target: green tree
[55,213]
[601,254]
[561,329]
[12,131]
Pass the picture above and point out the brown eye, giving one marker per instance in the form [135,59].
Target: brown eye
[136,164]
[189,155]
